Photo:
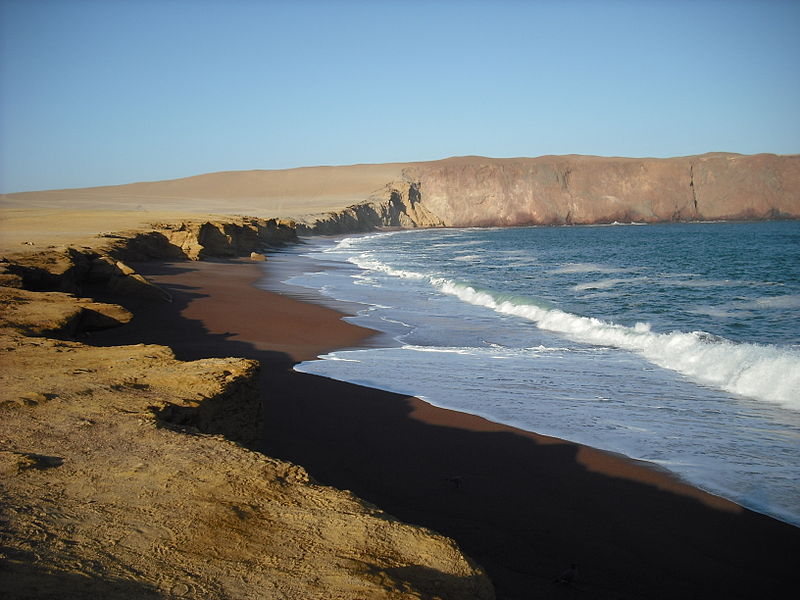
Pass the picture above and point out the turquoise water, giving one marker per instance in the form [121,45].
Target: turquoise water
[677,344]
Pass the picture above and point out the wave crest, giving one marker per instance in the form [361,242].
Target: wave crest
[756,371]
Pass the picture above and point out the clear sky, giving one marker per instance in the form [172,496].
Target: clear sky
[96,92]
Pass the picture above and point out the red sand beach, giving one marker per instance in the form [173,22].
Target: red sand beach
[524,506]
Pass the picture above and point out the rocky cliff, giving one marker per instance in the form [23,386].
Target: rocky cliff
[563,190]
[397,204]
[581,190]
[196,240]
[69,269]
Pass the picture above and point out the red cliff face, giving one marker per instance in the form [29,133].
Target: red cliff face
[475,191]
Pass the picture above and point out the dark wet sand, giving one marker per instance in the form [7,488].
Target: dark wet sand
[524,506]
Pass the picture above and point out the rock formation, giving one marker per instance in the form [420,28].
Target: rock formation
[196,240]
[119,482]
[398,204]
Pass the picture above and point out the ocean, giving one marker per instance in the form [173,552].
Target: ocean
[676,344]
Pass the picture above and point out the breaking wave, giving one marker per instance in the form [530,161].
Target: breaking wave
[761,372]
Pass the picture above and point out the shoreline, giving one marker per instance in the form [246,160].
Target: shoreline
[524,506]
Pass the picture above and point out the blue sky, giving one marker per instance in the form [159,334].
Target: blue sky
[96,92]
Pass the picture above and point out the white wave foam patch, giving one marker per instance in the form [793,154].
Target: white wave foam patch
[347,243]
[672,280]
[590,268]
[366,262]
[785,301]
[761,372]
[604,284]
[745,308]
[468,258]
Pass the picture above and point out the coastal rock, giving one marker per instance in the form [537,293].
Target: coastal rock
[56,313]
[461,191]
[123,268]
[47,270]
[122,279]
[257,256]
[196,240]
[68,269]
[103,268]
[101,315]
[397,205]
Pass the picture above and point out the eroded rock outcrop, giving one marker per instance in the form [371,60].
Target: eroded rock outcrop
[105,494]
[196,240]
[67,269]
[398,204]
[56,314]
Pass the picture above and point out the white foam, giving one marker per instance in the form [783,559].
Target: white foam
[588,268]
[756,371]
[744,308]
[604,284]
[335,357]
[785,301]
[468,258]
[365,261]
[718,312]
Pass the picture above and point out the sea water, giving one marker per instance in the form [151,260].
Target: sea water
[677,344]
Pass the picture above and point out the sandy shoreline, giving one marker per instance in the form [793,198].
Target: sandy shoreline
[524,506]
